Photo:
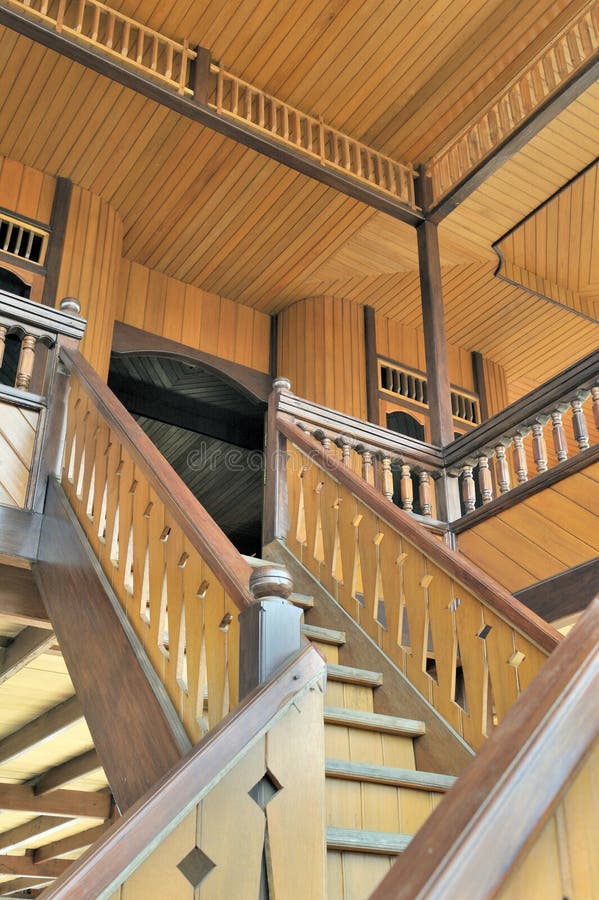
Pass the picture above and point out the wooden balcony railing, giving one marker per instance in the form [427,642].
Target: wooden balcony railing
[120,37]
[551,68]
[525,813]
[463,641]
[243,101]
[396,381]
[548,433]
[211,817]
[178,578]
[30,336]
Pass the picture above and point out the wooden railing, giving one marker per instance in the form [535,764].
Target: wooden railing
[215,816]
[119,36]
[177,576]
[550,429]
[464,642]
[525,813]
[243,101]
[553,66]
[400,381]
[30,335]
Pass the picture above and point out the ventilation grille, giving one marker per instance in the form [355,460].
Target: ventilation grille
[23,240]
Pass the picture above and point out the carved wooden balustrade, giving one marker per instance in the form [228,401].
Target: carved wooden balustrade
[549,433]
[465,643]
[30,335]
[119,36]
[563,58]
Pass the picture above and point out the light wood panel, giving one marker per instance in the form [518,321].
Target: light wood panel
[541,536]
[26,191]
[191,316]
[18,428]
[321,350]
[89,270]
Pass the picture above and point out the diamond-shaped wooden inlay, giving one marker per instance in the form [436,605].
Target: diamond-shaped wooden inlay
[196,866]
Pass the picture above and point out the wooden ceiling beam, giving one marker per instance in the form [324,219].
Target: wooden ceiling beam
[21,886]
[20,600]
[19,532]
[23,835]
[41,729]
[72,804]
[25,866]
[542,116]
[58,776]
[25,647]
[74,842]
[238,131]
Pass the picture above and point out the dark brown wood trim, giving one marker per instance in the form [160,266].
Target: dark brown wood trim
[72,804]
[213,545]
[275,514]
[480,386]
[525,132]
[74,842]
[58,230]
[35,828]
[503,799]
[128,340]
[200,75]
[273,352]
[473,578]
[73,768]
[372,375]
[20,599]
[108,862]
[565,594]
[24,865]
[209,117]
[132,734]
[15,262]
[522,491]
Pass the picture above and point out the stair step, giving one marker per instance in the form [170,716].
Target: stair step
[354,676]
[335,715]
[256,562]
[303,600]
[366,841]
[324,635]
[426,781]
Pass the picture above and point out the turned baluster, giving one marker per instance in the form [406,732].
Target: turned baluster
[406,489]
[3,333]
[346,446]
[367,467]
[424,494]
[539,448]
[386,477]
[595,396]
[502,469]
[519,459]
[468,489]
[26,360]
[579,423]
[559,436]
[485,484]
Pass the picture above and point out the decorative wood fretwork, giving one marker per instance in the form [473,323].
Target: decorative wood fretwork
[552,67]
[122,38]
[462,641]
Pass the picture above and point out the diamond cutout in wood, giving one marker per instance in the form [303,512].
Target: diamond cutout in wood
[264,790]
[196,866]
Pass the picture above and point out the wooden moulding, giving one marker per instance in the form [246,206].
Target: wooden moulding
[207,538]
[469,575]
[146,824]
[500,804]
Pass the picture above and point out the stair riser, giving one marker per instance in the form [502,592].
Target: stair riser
[349,696]
[378,807]
[353,876]
[370,747]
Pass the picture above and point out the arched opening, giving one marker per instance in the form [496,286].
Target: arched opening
[12,284]
[403,423]
[210,431]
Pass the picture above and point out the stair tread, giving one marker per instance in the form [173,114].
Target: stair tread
[336,715]
[256,562]
[357,771]
[324,635]
[303,600]
[366,841]
[355,676]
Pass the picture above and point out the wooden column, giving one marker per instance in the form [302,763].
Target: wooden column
[435,343]
[275,519]
[58,228]
[200,78]
[372,377]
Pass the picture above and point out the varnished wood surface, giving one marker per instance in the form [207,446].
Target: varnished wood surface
[498,806]
[20,600]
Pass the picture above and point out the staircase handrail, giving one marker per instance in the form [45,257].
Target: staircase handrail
[202,531]
[508,792]
[132,838]
[470,576]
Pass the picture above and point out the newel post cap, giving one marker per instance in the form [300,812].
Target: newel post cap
[280,383]
[70,305]
[271,583]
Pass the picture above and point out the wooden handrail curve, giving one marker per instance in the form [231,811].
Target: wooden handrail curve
[203,532]
[130,840]
[508,792]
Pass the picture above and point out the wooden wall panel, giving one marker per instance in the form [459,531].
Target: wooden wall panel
[89,271]
[181,312]
[496,386]
[17,440]
[26,191]
[321,350]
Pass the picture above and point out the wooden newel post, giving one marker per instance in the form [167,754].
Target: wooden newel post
[270,629]
[276,507]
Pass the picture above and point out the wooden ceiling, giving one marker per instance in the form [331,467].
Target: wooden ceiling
[404,77]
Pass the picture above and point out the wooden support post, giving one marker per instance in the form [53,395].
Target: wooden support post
[58,228]
[433,318]
[478,370]
[372,377]
[200,76]
[275,520]
[270,628]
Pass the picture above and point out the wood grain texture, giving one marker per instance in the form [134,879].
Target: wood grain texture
[18,429]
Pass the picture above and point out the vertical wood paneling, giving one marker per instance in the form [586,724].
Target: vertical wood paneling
[321,351]
[181,312]
[496,386]
[26,191]
[90,269]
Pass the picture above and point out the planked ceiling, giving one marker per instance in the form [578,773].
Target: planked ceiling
[404,77]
